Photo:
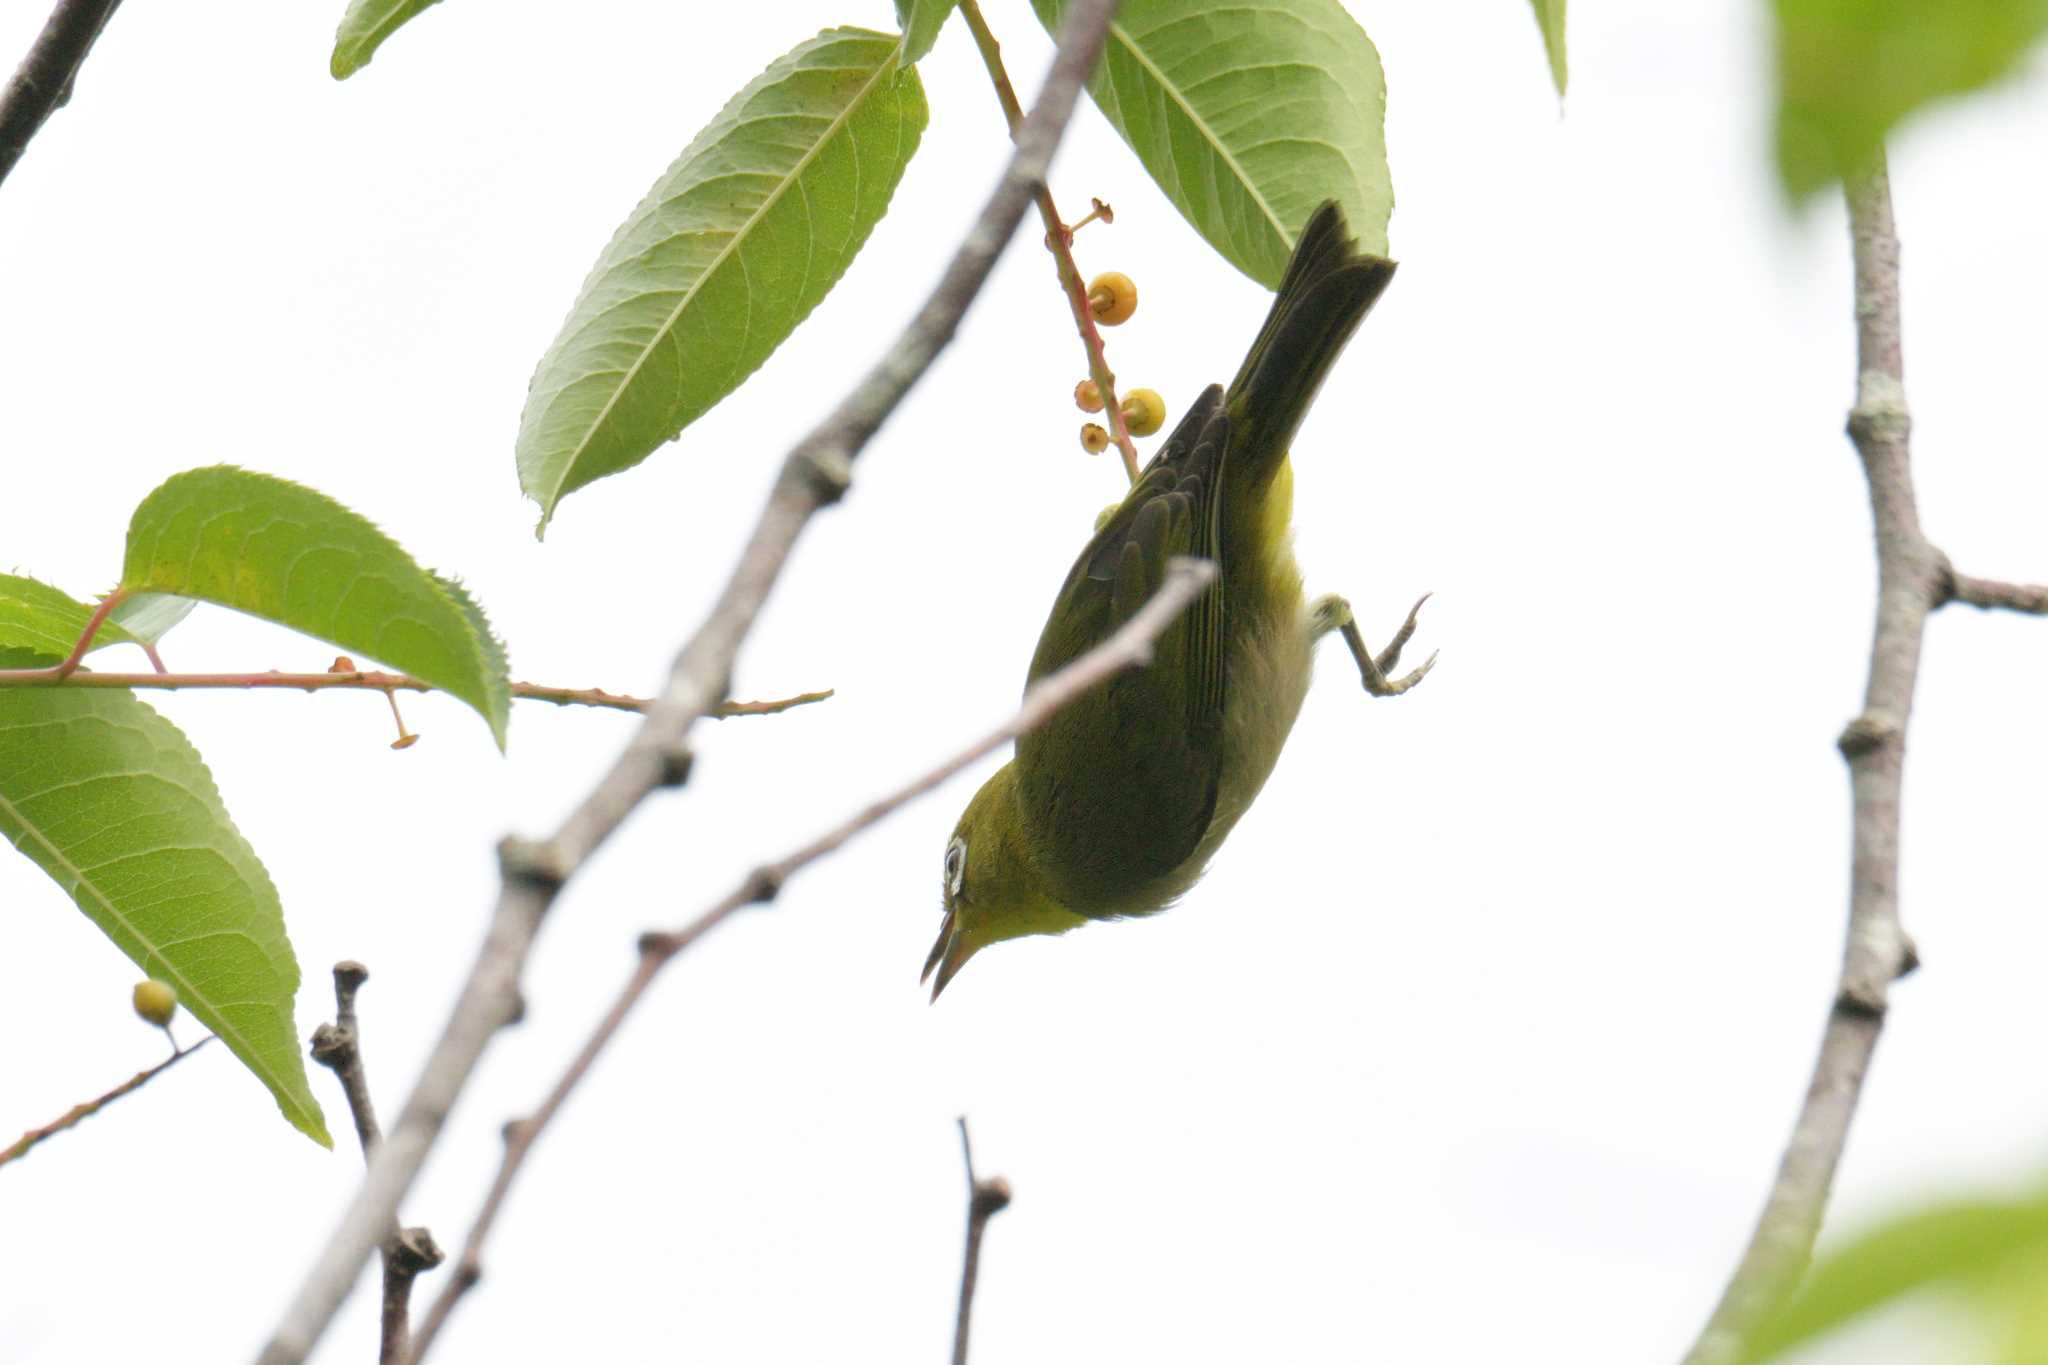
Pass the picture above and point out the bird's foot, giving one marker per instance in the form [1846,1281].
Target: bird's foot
[1331,612]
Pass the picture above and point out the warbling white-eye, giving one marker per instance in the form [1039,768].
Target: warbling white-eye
[1115,806]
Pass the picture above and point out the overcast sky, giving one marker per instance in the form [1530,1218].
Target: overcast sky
[1481,1038]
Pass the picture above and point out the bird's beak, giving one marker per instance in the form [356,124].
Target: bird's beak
[948,955]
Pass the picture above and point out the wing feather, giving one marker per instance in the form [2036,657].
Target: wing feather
[1122,784]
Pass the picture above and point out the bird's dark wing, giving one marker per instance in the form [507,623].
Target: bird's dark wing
[1121,784]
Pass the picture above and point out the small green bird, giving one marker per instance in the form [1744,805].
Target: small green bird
[1115,806]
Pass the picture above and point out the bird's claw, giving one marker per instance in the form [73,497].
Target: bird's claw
[1334,613]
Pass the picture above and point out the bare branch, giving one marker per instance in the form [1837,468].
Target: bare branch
[985,1199]
[814,474]
[1912,578]
[1992,595]
[79,1113]
[407,1253]
[43,80]
[336,1047]
[1130,647]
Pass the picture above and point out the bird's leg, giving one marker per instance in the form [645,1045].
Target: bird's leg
[1331,612]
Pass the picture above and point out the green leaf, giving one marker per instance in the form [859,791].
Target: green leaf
[37,617]
[150,616]
[2021,1290]
[110,799]
[731,249]
[1248,116]
[364,27]
[920,21]
[1849,71]
[1962,1242]
[1550,18]
[290,555]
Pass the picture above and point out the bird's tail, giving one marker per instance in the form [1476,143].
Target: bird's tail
[1329,287]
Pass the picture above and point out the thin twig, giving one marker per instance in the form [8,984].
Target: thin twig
[407,1253]
[78,1113]
[1059,240]
[43,80]
[985,1199]
[337,1046]
[1990,594]
[368,680]
[1130,647]
[816,473]
[1912,578]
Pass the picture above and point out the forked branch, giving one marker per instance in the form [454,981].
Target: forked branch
[813,475]
[1130,647]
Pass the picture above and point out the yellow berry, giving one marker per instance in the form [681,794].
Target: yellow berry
[1087,397]
[156,1002]
[1112,297]
[1144,411]
[1094,439]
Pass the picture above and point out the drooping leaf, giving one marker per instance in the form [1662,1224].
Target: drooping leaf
[920,21]
[1550,19]
[1960,1243]
[1849,71]
[151,615]
[364,27]
[111,800]
[733,247]
[1248,116]
[285,553]
[35,616]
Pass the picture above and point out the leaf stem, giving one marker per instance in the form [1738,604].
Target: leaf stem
[78,1113]
[1059,240]
[60,671]
[372,680]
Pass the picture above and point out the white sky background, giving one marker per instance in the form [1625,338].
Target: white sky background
[1480,1040]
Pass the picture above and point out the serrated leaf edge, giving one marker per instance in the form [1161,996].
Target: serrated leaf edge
[1119,34]
[889,67]
[310,1123]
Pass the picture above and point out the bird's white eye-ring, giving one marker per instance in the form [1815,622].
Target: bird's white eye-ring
[956,866]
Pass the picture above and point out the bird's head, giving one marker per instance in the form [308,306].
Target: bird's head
[994,888]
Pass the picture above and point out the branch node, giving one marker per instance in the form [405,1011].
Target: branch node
[1909,956]
[533,862]
[991,1197]
[1880,409]
[676,761]
[1858,1000]
[826,470]
[333,1046]
[1942,586]
[414,1251]
[1865,734]
[763,884]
